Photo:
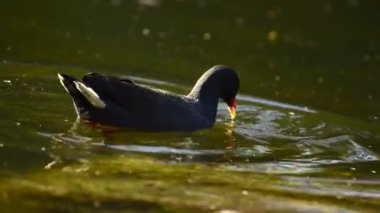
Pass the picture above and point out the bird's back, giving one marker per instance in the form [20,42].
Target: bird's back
[136,106]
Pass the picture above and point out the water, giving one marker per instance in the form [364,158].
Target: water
[298,151]
[305,138]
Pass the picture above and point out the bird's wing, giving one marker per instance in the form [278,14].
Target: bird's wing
[127,94]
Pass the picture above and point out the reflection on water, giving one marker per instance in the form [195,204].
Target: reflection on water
[313,152]
[266,137]
[306,148]
[258,135]
[355,188]
[290,148]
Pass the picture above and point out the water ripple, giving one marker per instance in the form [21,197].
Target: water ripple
[266,137]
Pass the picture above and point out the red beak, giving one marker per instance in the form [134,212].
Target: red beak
[232,108]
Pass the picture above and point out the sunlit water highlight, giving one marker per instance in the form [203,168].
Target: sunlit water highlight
[267,136]
[324,153]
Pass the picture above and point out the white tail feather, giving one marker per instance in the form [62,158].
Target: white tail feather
[90,95]
[61,79]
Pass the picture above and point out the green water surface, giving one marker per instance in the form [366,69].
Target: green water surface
[307,133]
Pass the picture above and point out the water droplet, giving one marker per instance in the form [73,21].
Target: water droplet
[244,192]
[277,78]
[207,36]
[1,145]
[373,171]
[320,80]
[43,149]
[146,32]
[9,48]
[18,124]
[352,168]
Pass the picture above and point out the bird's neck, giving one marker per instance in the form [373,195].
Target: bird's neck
[207,97]
[206,89]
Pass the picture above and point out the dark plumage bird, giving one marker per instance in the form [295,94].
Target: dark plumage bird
[111,101]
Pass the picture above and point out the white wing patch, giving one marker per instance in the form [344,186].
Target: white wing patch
[90,95]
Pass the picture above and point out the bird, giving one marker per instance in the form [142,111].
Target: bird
[118,102]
